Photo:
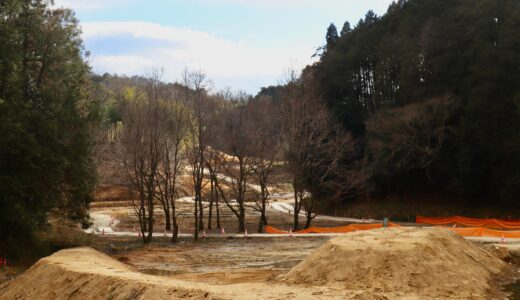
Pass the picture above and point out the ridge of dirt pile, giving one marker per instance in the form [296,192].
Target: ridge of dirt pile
[426,263]
[84,273]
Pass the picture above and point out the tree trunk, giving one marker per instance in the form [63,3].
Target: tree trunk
[262,223]
[263,219]
[201,213]
[309,220]
[210,213]
[241,224]
[175,232]
[142,225]
[167,218]
[143,235]
[196,216]
[296,225]
[150,230]
[241,218]
[217,207]
[150,218]
[142,212]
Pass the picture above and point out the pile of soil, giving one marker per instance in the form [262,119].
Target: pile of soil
[84,273]
[403,262]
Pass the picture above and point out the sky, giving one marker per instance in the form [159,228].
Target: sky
[240,44]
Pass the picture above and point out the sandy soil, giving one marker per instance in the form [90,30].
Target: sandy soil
[224,261]
[84,273]
[390,264]
[406,262]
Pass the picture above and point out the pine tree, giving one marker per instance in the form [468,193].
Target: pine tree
[332,36]
[346,29]
[427,49]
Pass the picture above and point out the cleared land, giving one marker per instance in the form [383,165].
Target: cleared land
[379,264]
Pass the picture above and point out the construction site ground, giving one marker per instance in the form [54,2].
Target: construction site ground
[360,265]
[236,265]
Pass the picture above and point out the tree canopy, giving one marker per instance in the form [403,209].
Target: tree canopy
[47,117]
[389,70]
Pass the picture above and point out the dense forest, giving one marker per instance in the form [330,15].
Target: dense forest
[431,90]
[425,99]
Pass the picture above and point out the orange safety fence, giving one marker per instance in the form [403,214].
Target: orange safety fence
[273,230]
[340,229]
[470,222]
[486,232]
[466,232]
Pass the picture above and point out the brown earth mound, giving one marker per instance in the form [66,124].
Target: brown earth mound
[84,273]
[403,262]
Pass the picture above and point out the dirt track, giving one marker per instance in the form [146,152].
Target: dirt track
[84,273]
[379,264]
[224,261]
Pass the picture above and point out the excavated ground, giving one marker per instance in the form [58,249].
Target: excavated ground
[379,264]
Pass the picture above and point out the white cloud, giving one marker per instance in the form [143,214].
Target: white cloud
[123,64]
[89,5]
[377,5]
[227,63]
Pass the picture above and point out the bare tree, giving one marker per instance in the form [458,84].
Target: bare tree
[237,143]
[329,174]
[316,150]
[296,114]
[214,157]
[142,139]
[264,125]
[213,165]
[176,130]
[196,98]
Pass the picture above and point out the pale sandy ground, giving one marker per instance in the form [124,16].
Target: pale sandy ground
[380,264]
[84,273]
[401,262]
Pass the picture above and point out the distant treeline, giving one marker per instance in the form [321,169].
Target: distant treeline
[431,90]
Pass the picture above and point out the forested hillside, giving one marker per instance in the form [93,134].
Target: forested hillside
[431,91]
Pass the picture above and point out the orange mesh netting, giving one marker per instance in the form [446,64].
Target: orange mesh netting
[341,229]
[470,222]
[485,232]
[272,230]
[466,232]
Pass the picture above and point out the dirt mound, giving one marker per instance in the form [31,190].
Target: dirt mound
[403,262]
[84,273]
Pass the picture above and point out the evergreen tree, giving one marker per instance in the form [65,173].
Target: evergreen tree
[46,118]
[346,29]
[332,36]
[422,50]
